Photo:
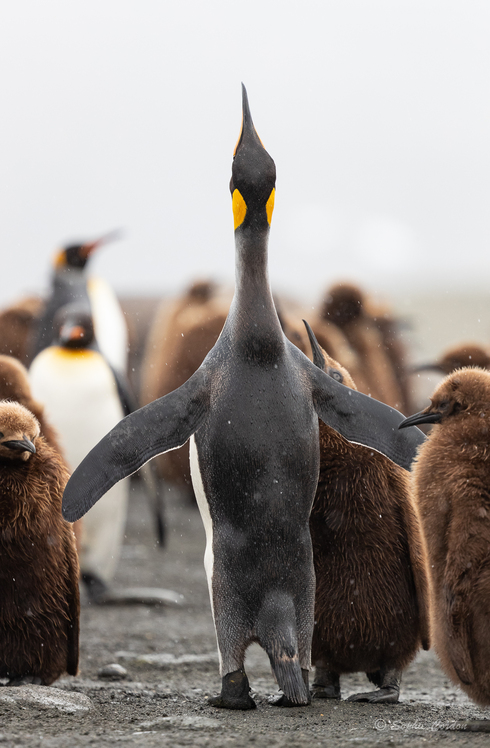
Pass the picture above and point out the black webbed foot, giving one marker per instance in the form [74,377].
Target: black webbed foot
[389,688]
[25,680]
[235,692]
[326,685]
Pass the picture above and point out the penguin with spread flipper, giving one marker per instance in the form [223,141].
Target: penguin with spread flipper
[252,411]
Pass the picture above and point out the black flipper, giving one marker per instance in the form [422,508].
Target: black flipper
[160,426]
[362,420]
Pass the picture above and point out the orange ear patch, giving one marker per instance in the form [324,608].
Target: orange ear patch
[239,208]
[270,205]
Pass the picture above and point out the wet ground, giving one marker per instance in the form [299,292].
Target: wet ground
[169,654]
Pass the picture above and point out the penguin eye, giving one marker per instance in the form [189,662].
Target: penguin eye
[443,406]
[336,374]
[1,435]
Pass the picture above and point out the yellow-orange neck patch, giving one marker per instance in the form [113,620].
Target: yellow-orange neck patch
[239,208]
[270,205]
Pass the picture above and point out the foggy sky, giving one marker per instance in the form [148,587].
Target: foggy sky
[117,113]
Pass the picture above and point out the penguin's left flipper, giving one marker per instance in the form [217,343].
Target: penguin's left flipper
[159,427]
[361,419]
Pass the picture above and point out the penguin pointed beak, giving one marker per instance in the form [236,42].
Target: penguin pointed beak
[248,133]
[427,367]
[423,417]
[20,445]
[111,236]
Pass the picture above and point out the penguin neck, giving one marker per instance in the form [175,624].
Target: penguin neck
[253,305]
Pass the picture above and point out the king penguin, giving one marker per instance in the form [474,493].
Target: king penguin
[80,396]
[251,411]
[70,284]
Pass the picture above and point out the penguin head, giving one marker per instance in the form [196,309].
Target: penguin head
[457,358]
[76,256]
[19,430]
[343,303]
[464,392]
[73,327]
[253,177]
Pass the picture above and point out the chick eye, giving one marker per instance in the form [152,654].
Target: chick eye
[336,374]
[1,435]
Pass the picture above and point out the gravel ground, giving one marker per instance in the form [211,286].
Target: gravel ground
[170,657]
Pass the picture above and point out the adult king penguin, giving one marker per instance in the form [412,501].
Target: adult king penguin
[71,285]
[252,411]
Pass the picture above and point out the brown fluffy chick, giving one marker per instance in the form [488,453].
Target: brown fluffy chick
[39,611]
[16,325]
[345,305]
[451,478]
[14,385]
[371,603]
[468,354]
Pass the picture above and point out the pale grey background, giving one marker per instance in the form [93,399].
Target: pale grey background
[125,113]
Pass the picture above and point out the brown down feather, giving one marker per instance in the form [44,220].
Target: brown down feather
[371,604]
[451,479]
[39,614]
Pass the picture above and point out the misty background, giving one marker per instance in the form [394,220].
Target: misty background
[117,113]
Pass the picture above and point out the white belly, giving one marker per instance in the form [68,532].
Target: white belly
[110,325]
[80,398]
[79,395]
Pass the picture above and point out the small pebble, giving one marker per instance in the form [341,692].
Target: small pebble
[113,672]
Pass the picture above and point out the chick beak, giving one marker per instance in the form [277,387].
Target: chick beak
[20,445]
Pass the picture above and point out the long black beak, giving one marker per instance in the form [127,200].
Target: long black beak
[422,417]
[21,445]
[427,367]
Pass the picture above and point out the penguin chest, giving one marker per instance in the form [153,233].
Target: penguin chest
[80,397]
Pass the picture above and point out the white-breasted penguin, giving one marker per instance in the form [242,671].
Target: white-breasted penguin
[81,398]
[70,284]
[252,411]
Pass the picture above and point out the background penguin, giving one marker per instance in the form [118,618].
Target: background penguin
[70,284]
[17,322]
[466,354]
[252,411]
[345,305]
[39,612]
[451,478]
[371,603]
[81,398]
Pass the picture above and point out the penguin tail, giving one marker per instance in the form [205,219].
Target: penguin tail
[276,629]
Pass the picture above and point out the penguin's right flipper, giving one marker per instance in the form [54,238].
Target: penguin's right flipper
[361,419]
[159,427]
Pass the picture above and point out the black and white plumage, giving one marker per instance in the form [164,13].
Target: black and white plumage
[252,411]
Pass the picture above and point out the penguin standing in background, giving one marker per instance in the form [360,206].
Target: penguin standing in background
[372,600]
[81,398]
[251,411]
[70,284]
[468,354]
[451,479]
[39,612]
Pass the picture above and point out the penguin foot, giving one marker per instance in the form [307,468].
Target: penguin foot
[25,680]
[326,684]
[325,692]
[97,589]
[388,695]
[235,693]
